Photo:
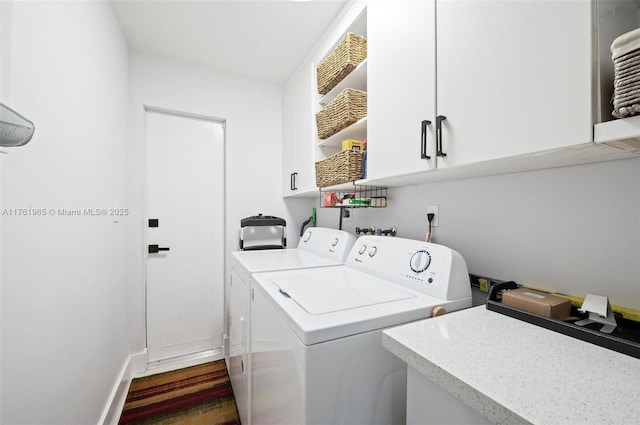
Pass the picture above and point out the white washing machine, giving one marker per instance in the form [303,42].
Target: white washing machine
[316,350]
[318,247]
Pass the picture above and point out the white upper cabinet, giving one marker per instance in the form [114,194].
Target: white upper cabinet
[513,77]
[298,177]
[401,88]
[511,83]
[463,88]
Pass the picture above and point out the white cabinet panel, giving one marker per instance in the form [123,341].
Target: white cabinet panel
[289,166]
[305,130]
[401,84]
[513,77]
[237,361]
[430,404]
[298,134]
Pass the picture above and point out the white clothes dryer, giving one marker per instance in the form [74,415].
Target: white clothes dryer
[318,248]
[316,350]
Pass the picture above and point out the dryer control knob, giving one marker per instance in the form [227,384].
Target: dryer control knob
[362,249]
[307,236]
[420,261]
[373,251]
[335,242]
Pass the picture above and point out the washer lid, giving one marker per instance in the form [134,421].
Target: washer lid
[318,295]
[280,259]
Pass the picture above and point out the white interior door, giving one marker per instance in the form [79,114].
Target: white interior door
[185,193]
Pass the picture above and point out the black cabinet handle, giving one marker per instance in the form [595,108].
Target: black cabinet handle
[439,120]
[293,181]
[153,249]
[423,140]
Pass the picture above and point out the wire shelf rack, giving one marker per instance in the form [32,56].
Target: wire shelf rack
[356,196]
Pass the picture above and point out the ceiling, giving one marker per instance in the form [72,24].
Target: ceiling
[264,40]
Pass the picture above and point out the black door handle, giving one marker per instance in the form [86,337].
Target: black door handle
[439,120]
[293,181]
[423,140]
[155,248]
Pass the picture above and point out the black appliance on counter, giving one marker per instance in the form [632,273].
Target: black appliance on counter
[262,232]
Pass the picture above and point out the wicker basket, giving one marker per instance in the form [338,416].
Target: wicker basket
[349,52]
[348,107]
[343,167]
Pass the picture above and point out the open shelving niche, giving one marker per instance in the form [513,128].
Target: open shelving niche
[614,19]
[355,194]
[356,79]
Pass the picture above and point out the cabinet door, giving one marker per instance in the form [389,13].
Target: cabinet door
[513,77]
[298,136]
[237,363]
[288,140]
[401,86]
[305,130]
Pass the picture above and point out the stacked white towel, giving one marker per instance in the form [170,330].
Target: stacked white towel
[625,52]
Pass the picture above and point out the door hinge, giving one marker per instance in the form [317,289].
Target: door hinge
[252,294]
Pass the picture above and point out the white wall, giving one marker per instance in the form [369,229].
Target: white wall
[253,113]
[575,230]
[63,294]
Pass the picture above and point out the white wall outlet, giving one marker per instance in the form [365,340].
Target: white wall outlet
[433,209]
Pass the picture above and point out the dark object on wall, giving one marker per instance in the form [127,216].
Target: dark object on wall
[15,130]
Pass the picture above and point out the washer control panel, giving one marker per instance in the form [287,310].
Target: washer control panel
[422,266]
[328,243]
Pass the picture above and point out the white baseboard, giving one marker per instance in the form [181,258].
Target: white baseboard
[133,365]
[179,362]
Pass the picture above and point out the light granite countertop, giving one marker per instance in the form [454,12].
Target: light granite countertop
[514,372]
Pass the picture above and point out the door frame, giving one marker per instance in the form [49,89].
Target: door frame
[217,352]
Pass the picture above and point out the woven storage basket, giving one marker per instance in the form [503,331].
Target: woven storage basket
[625,52]
[343,167]
[349,52]
[348,107]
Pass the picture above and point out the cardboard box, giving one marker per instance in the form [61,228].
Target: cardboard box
[537,302]
[329,199]
[352,144]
